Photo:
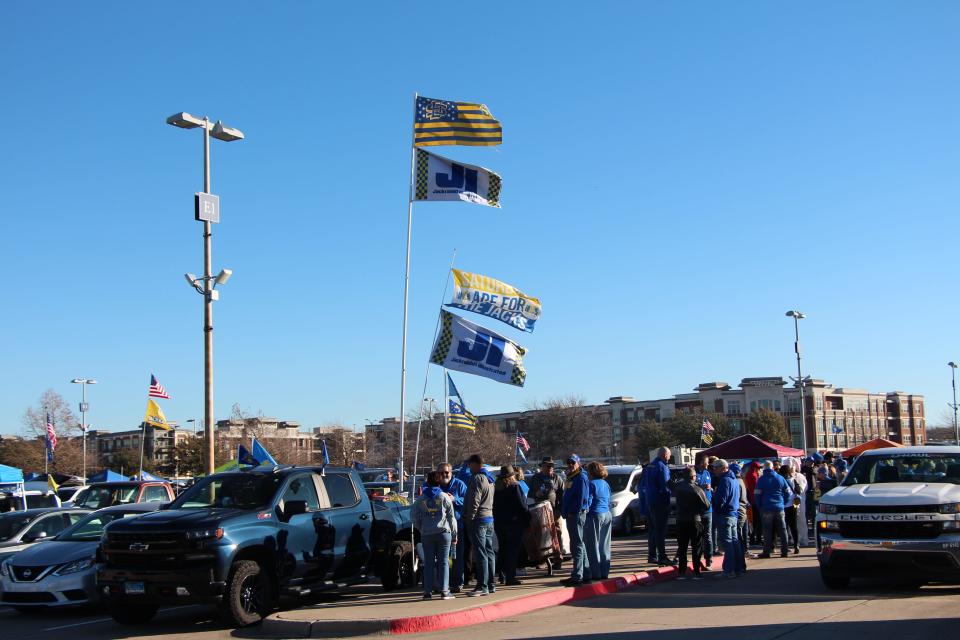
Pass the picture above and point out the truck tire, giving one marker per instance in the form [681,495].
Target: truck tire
[627,523]
[399,571]
[129,614]
[836,581]
[248,596]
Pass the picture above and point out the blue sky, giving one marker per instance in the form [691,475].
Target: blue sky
[676,176]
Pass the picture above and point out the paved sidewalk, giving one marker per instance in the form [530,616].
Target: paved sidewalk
[368,610]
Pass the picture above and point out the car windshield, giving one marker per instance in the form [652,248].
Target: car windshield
[11,524]
[107,496]
[905,467]
[91,528]
[236,491]
[618,481]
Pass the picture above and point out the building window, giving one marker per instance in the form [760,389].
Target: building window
[776,406]
[795,426]
[819,403]
[626,432]
[822,441]
[753,405]
[733,407]
[793,405]
[820,428]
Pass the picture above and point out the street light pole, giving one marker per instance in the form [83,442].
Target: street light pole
[797,317]
[186,121]
[953,383]
[83,382]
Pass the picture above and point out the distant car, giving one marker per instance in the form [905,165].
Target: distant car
[20,529]
[624,504]
[68,494]
[62,571]
[107,494]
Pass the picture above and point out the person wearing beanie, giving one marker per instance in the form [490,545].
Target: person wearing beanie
[726,504]
[510,517]
[575,504]
[478,518]
[772,495]
[741,514]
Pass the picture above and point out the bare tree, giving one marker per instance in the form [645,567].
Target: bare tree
[563,425]
[64,421]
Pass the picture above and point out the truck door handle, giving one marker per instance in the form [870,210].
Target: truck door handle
[364,516]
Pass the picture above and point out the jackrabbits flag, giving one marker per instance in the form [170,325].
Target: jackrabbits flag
[458,416]
[438,122]
[154,416]
[470,348]
[438,178]
[494,299]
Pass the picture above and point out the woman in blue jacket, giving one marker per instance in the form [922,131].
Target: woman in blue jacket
[597,530]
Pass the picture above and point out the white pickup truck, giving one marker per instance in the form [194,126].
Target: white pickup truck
[897,515]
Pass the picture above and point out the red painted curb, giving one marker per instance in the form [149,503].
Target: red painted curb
[525,604]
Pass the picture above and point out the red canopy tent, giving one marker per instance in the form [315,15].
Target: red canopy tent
[750,446]
[876,443]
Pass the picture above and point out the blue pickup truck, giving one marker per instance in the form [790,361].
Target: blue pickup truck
[241,539]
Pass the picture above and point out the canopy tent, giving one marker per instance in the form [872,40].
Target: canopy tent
[876,443]
[107,476]
[749,446]
[10,474]
[148,477]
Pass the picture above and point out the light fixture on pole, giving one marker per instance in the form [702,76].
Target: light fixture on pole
[953,383]
[84,407]
[207,210]
[797,317]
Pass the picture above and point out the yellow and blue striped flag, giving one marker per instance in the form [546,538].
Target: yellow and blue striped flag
[458,416]
[438,122]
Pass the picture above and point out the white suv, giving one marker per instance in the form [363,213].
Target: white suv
[897,514]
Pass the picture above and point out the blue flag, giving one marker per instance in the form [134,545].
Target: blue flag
[520,454]
[837,429]
[245,457]
[326,455]
[260,455]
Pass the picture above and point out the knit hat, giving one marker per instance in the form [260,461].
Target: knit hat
[735,468]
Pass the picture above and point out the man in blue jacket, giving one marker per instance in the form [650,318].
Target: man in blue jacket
[726,503]
[456,489]
[576,502]
[656,496]
[773,494]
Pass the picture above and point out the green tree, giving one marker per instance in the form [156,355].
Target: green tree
[685,428]
[650,435]
[767,425]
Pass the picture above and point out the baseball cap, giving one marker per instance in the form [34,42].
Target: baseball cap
[573,458]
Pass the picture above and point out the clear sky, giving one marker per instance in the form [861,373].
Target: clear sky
[676,176]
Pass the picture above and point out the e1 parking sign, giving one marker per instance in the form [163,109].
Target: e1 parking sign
[206,207]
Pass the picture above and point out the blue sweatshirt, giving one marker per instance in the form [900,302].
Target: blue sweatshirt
[705,478]
[576,493]
[457,489]
[726,495]
[599,496]
[656,485]
[772,492]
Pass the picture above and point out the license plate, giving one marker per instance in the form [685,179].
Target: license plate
[133,588]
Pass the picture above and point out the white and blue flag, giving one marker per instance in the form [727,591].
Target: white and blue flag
[464,346]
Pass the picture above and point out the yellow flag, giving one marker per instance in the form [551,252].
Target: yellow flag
[51,482]
[155,417]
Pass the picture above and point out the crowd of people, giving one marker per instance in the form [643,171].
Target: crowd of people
[722,509]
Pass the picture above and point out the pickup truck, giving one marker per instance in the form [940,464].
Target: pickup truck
[241,539]
[109,494]
[896,514]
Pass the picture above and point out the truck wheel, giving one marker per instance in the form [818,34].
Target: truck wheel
[836,581]
[128,614]
[248,598]
[627,526]
[399,570]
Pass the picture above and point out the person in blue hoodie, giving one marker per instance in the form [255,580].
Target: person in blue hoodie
[576,503]
[656,497]
[456,489]
[433,515]
[726,503]
[773,494]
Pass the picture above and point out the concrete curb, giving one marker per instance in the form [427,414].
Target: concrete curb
[277,626]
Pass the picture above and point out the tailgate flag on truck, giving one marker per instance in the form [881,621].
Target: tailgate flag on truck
[261,455]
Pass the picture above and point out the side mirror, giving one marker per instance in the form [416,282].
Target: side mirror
[35,536]
[294,508]
[164,506]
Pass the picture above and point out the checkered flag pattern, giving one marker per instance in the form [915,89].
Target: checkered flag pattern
[493,197]
[445,339]
[422,173]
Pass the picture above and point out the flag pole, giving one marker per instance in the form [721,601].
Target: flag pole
[143,442]
[406,293]
[446,416]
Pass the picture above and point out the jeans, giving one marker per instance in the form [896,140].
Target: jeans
[657,534]
[790,514]
[773,522]
[730,543]
[456,573]
[508,555]
[436,565]
[484,556]
[689,533]
[575,522]
[596,537]
[707,544]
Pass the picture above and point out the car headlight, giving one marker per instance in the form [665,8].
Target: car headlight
[829,509]
[204,534]
[953,507]
[5,568]
[613,505]
[951,525]
[825,525]
[75,566]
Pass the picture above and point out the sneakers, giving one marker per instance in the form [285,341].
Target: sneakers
[455,589]
[514,582]
[796,551]
[476,593]
[763,556]
[447,596]
[784,554]
[428,596]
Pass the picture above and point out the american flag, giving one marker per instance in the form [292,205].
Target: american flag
[156,389]
[522,442]
[706,425]
[51,435]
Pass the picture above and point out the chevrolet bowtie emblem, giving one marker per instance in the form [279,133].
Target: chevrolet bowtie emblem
[27,573]
[137,546]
